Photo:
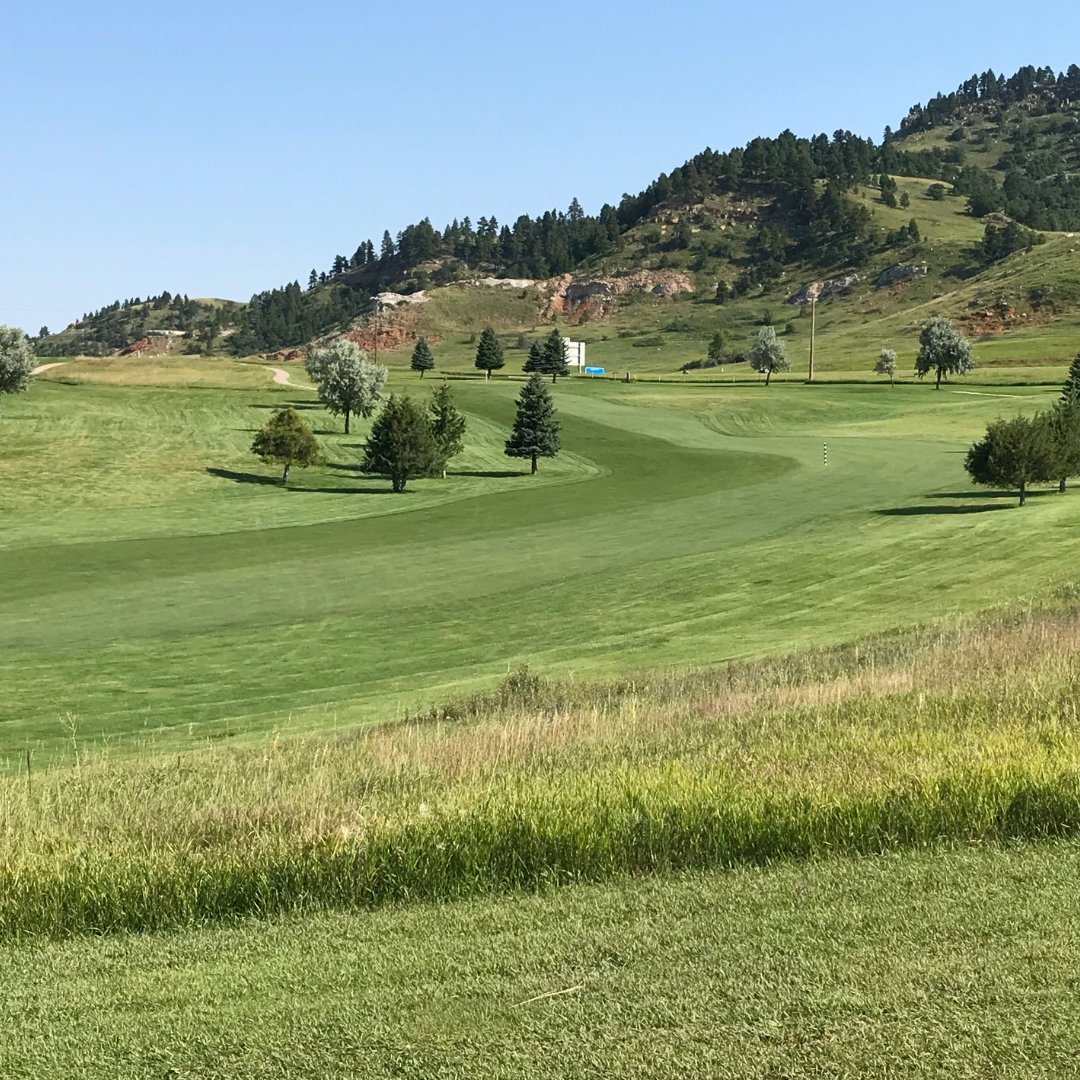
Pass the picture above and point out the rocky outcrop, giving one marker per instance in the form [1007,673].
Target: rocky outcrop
[822,290]
[595,297]
[393,299]
[895,275]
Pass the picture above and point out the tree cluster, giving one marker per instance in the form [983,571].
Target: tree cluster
[1028,450]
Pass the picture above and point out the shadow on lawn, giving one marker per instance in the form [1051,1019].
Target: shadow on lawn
[275,481]
[919,511]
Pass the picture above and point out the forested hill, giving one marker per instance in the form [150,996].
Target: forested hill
[1007,145]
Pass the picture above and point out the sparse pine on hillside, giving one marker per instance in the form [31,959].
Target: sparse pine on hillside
[287,441]
[768,354]
[536,431]
[401,444]
[944,350]
[422,358]
[447,428]
[489,353]
[16,360]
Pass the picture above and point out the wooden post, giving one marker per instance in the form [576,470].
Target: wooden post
[813,327]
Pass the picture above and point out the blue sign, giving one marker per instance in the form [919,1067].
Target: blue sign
[594,371]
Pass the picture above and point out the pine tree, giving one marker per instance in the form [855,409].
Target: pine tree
[286,440]
[422,359]
[716,347]
[447,428]
[553,356]
[535,360]
[536,431]
[1070,392]
[401,444]
[489,353]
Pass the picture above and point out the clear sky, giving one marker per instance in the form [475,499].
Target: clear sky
[221,148]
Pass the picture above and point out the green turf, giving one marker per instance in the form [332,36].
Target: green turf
[957,964]
[155,580]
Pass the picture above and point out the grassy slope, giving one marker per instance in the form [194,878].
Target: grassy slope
[952,964]
[683,526]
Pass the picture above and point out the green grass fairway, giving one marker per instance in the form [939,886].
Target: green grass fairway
[949,964]
[159,589]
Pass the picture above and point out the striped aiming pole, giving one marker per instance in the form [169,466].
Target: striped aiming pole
[825,452]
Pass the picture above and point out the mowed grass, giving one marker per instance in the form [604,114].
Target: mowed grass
[956,964]
[160,590]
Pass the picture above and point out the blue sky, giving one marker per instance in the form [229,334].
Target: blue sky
[218,149]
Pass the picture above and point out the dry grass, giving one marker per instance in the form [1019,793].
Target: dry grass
[969,732]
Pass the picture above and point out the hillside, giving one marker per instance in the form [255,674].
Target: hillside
[947,204]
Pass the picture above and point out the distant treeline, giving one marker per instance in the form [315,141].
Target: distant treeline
[801,181]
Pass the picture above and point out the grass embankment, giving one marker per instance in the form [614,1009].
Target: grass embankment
[969,734]
[958,964]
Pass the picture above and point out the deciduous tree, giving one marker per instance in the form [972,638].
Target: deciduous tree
[944,350]
[767,353]
[16,360]
[1013,453]
[536,431]
[886,364]
[286,440]
[348,384]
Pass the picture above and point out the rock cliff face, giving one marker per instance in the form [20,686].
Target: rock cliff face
[596,297]
[822,290]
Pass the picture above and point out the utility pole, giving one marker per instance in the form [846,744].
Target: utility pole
[813,291]
[378,308]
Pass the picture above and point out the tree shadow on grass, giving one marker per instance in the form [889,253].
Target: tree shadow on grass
[919,511]
[275,481]
[977,495]
[300,406]
[491,474]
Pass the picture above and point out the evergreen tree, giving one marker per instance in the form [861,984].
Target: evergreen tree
[767,353]
[348,384]
[286,440]
[422,359]
[447,428]
[489,353]
[1071,390]
[1013,453]
[386,251]
[716,347]
[535,360]
[16,360]
[536,431]
[553,355]
[401,444]
[943,349]
[886,364]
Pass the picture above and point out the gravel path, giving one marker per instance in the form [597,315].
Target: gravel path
[48,367]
